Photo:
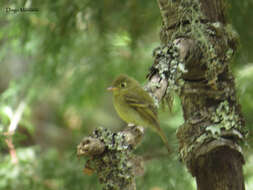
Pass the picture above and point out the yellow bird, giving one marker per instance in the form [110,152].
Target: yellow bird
[134,105]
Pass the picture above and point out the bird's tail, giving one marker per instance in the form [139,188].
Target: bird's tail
[164,138]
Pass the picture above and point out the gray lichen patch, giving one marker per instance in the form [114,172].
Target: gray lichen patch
[169,67]
[227,122]
[225,117]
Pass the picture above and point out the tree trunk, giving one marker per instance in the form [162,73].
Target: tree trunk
[197,47]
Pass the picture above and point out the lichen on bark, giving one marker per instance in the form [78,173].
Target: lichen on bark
[110,157]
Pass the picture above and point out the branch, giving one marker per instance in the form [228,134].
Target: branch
[110,157]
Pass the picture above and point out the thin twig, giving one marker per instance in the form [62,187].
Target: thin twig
[11,130]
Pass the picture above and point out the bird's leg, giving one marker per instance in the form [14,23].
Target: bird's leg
[137,127]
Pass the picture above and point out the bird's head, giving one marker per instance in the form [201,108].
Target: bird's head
[122,82]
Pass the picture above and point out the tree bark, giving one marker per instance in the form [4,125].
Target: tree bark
[197,47]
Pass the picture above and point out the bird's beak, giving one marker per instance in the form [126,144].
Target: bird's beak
[111,88]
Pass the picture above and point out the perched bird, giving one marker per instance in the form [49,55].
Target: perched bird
[134,105]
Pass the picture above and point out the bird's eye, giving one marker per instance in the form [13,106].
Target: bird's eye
[123,85]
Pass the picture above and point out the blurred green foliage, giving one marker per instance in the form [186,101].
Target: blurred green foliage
[60,60]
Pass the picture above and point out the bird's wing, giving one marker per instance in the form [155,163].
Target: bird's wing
[141,104]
